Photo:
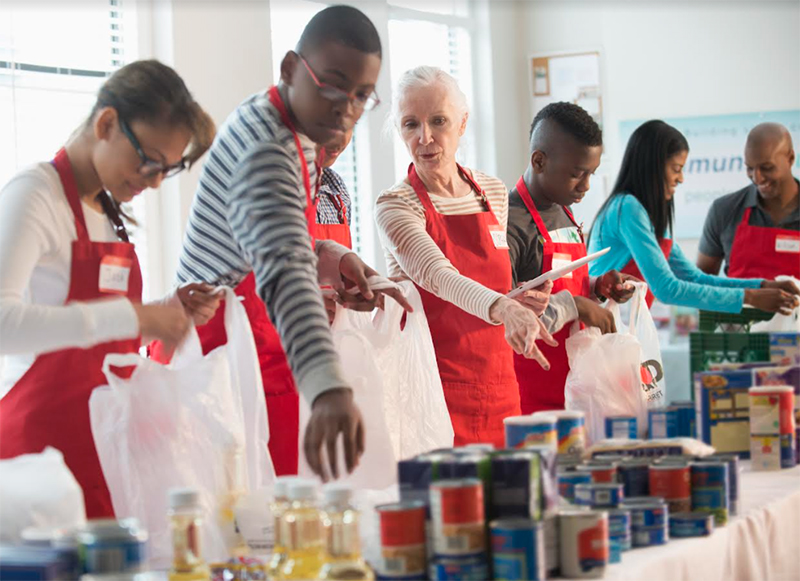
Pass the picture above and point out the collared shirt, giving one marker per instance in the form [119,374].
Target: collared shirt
[331,186]
[726,214]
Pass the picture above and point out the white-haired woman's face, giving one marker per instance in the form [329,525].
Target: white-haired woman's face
[431,127]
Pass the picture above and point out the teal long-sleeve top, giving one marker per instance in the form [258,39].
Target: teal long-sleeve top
[625,226]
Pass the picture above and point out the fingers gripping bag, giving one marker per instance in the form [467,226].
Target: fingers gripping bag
[198,422]
[389,361]
[781,323]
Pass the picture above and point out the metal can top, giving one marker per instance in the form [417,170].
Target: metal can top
[670,465]
[457,483]
[599,486]
[532,420]
[690,516]
[403,505]
[643,501]
[515,523]
[572,513]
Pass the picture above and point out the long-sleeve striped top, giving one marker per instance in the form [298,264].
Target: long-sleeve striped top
[410,251]
[248,214]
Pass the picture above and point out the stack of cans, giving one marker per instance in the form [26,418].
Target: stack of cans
[711,490]
[670,479]
[583,543]
[649,520]
[608,496]
[518,549]
[732,460]
[634,474]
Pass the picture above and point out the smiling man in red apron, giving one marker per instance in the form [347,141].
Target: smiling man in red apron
[756,230]
[566,144]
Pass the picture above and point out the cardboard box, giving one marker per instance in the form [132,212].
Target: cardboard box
[784,348]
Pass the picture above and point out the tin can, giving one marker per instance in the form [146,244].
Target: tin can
[650,536]
[523,431]
[482,447]
[457,518]
[415,475]
[599,495]
[663,423]
[673,483]
[111,546]
[516,485]
[471,568]
[517,549]
[600,471]
[732,460]
[691,524]
[634,474]
[567,482]
[474,464]
[571,429]
[687,418]
[619,527]
[403,537]
[647,511]
[583,543]
[711,490]
[621,427]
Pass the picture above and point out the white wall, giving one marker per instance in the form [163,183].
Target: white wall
[676,58]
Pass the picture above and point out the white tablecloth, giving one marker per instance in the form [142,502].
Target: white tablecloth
[762,543]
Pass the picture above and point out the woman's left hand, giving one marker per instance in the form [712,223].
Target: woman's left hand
[200,301]
[784,285]
[537,299]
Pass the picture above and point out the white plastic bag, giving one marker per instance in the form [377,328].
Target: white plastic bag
[396,384]
[199,422]
[640,324]
[604,379]
[781,323]
[38,490]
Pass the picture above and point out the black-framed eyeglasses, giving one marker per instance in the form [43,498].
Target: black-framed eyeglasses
[364,101]
[150,167]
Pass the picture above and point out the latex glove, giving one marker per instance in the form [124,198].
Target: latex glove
[334,412]
[593,315]
[612,286]
[785,285]
[355,274]
[200,301]
[523,328]
[537,299]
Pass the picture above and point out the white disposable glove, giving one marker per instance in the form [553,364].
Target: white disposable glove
[523,329]
[536,299]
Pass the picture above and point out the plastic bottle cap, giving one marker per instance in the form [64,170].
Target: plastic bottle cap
[281,488]
[336,493]
[183,498]
[302,489]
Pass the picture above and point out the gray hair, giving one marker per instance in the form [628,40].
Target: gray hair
[426,76]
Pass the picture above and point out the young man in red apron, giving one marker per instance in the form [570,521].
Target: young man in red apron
[565,151]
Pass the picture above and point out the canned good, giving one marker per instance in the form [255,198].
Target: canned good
[599,495]
[621,427]
[710,490]
[583,543]
[403,554]
[650,536]
[470,568]
[471,465]
[647,511]
[567,482]
[457,517]
[732,460]
[516,485]
[571,429]
[415,475]
[619,527]
[687,419]
[537,429]
[111,546]
[482,447]
[672,482]
[663,423]
[691,524]
[634,474]
[600,471]
[517,549]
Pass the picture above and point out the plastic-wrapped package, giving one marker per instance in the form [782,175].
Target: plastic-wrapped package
[199,422]
[38,490]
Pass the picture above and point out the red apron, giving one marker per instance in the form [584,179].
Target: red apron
[761,252]
[49,405]
[475,361]
[337,232]
[540,389]
[633,269]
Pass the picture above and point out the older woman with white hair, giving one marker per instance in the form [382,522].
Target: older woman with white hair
[444,227]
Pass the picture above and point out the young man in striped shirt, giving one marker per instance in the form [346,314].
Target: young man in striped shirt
[251,212]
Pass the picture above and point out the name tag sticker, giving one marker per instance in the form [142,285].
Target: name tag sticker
[114,274]
[561,260]
[787,244]
[498,236]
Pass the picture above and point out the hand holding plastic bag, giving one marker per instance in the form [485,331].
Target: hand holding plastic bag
[781,323]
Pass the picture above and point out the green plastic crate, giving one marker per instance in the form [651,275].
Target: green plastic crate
[711,321]
[707,348]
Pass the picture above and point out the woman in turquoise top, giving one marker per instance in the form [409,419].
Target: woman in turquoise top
[636,222]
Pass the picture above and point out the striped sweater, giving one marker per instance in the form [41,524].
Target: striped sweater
[248,214]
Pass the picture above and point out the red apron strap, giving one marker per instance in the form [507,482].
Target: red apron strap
[522,190]
[578,226]
[341,208]
[422,192]
[746,217]
[64,168]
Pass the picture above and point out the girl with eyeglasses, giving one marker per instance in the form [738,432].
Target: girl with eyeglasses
[70,283]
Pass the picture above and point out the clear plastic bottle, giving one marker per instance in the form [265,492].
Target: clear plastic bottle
[301,532]
[340,522]
[278,506]
[186,517]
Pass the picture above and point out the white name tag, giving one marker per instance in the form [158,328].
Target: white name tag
[560,260]
[498,236]
[115,271]
[787,244]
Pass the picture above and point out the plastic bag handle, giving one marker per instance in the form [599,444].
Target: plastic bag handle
[120,360]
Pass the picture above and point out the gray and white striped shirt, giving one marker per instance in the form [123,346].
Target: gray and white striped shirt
[248,214]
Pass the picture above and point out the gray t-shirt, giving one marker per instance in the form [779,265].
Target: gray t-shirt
[726,214]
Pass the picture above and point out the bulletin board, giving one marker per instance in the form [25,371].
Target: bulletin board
[572,77]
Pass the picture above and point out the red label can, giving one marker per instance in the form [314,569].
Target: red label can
[672,482]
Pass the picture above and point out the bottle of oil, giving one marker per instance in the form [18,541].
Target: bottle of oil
[186,517]
[301,532]
[235,544]
[340,522]
[278,506]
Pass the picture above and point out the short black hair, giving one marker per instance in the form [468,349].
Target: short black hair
[572,119]
[342,24]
